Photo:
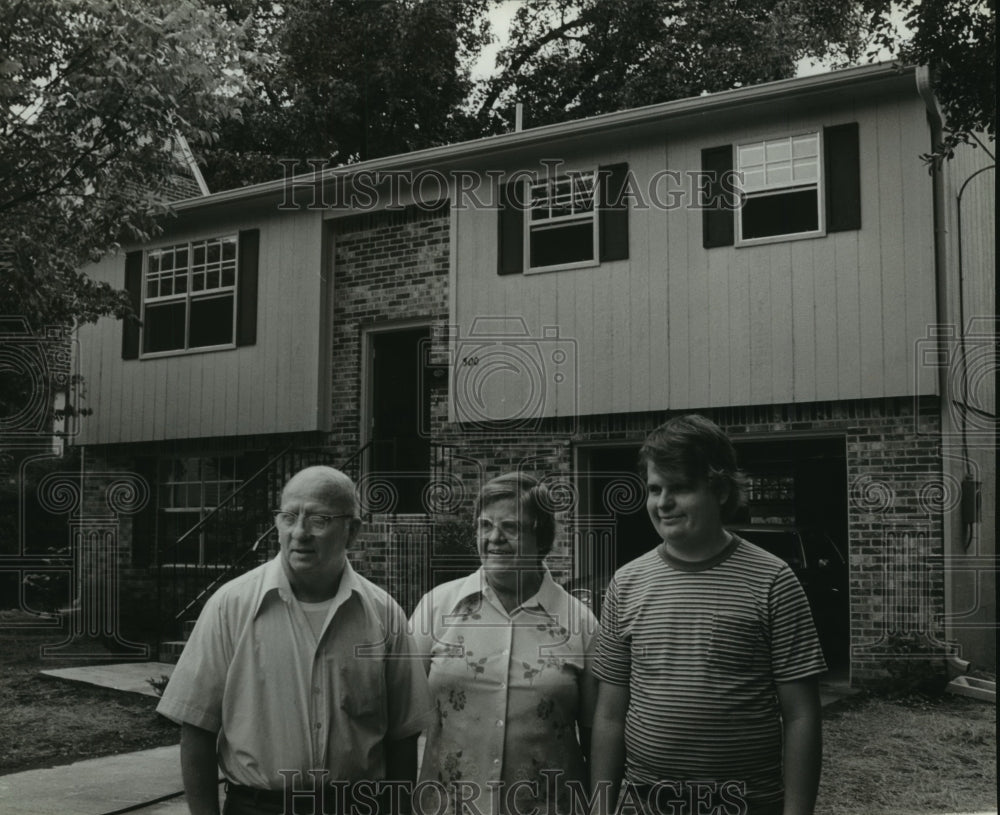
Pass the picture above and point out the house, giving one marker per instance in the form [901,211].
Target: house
[776,257]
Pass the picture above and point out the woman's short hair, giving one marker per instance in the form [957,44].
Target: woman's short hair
[698,448]
[533,500]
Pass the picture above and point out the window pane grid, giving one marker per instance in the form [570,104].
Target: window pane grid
[189,274]
[777,163]
[780,182]
[562,223]
[570,196]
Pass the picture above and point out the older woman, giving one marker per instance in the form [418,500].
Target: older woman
[506,653]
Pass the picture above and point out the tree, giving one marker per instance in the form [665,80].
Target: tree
[347,80]
[93,93]
[957,39]
[92,96]
[572,58]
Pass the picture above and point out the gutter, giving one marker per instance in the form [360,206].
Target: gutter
[783,90]
[936,121]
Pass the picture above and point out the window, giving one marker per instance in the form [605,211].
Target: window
[800,185]
[562,227]
[781,187]
[192,296]
[189,296]
[190,488]
[573,220]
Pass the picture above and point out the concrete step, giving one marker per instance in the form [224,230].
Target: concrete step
[171,651]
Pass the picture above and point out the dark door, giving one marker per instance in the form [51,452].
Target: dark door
[399,414]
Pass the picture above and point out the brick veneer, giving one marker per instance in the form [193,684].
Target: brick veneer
[394,267]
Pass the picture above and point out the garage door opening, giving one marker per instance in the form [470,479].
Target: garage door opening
[797,508]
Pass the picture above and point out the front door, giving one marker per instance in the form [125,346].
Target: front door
[399,430]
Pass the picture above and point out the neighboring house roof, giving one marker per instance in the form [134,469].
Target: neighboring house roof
[186,182]
[848,80]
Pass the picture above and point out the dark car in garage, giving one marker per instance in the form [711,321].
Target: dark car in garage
[821,567]
[817,561]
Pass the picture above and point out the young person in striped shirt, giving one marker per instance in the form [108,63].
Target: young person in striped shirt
[708,656]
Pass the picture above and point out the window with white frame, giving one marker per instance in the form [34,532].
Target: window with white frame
[562,227]
[189,296]
[781,187]
[190,488]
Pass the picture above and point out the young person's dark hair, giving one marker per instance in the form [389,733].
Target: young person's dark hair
[698,448]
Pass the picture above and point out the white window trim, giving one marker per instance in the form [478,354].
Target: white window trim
[188,296]
[820,185]
[198,512]
[593,216]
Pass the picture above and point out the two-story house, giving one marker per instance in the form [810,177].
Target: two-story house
[775,257]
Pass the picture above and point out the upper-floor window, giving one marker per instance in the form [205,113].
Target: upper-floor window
[189,296]
[799,185]
[781,187]
[562,227]
[193,296]
[563,221]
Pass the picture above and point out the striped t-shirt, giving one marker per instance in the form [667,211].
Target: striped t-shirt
[700,646]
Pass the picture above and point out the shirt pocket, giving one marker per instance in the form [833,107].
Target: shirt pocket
[363,689]
[737,642]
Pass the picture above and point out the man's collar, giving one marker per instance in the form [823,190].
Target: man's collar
[276,580]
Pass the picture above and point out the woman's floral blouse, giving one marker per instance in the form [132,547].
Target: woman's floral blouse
[508,693]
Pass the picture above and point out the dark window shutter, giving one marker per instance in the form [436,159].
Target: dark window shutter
[718,220]
[842,167]
[133,286]
[614,212]
[511,229]
[246,308]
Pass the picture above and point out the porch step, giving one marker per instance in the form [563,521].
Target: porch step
[170,651]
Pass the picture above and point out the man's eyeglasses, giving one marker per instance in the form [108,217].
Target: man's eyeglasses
[313,524]
[511,530]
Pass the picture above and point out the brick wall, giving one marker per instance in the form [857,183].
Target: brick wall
[394,267]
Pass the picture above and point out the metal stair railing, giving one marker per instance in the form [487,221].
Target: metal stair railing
[214,550]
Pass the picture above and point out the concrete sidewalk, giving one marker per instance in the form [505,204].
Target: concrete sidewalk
[149,780]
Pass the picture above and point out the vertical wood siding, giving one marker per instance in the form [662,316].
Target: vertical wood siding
[680,326]
[269,387]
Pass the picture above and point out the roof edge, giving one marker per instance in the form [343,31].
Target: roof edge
[753,94]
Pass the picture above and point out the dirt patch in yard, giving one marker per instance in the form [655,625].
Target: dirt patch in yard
[908,756]
[911,756]
[47,722]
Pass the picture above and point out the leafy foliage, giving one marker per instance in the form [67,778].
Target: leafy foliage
[957,38]
[573,58]
[92,94]
[347,80]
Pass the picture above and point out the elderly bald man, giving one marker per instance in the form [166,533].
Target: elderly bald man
[297,674]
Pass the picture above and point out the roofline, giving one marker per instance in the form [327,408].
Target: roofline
[487,145]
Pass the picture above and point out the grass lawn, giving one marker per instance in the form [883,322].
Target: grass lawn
[908,756]
[898,757]
[45,721]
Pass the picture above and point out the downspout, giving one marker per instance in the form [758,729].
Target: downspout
[956,665]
